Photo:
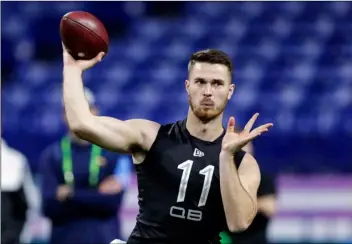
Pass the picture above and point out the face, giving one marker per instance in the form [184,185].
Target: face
[209,88]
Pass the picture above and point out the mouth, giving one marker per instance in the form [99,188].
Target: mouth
[207,103]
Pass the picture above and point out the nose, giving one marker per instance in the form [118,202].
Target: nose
[208,91]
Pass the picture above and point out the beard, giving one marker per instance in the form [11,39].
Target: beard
[206,114]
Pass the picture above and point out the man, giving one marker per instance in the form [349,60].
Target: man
[20,197]
[188,172]
[81,193]
[257,231]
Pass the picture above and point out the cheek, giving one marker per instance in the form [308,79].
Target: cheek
[193,93]
[223,95]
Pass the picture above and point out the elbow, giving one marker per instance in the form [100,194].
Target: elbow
[238,226]
[80,129]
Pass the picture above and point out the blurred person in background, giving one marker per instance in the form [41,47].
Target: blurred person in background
[257,232]
[82,190]
[20,198]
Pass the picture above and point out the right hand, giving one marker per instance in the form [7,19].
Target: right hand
[82,65]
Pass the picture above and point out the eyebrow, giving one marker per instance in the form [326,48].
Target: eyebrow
[213,80]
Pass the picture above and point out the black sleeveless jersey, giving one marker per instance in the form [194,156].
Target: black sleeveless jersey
[179,190]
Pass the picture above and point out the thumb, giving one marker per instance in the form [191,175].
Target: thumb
[97,59]
[100,56]
[231,125]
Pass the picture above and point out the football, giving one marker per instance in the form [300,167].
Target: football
[83,35]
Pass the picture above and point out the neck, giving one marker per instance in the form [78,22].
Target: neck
[206,131]
[76,140]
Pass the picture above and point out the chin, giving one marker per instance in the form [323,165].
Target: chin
[206,115]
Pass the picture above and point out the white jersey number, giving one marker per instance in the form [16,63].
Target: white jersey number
[191,214]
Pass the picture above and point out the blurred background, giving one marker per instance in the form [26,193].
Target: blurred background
[293,65]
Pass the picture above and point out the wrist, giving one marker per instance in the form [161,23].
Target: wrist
[226,155]
[72,70]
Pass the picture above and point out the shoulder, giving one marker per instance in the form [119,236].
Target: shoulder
[174,131]
[148,126]
[153,139]
[151,130]
[143,125]
[148,130]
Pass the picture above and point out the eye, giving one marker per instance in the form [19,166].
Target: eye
[217,82]
[200,81]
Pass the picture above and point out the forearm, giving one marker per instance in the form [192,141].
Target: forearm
[240,208]
[76,105]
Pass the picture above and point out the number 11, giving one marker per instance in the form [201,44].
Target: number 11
[207,172]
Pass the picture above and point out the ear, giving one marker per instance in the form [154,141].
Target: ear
[231,90]
[187,83]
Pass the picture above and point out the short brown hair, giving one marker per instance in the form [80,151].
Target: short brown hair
[211,56]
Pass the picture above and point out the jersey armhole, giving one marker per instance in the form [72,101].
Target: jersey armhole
[153,147]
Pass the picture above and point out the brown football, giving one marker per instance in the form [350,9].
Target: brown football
[83,35]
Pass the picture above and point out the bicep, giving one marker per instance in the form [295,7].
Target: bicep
[249,175]
[113,134]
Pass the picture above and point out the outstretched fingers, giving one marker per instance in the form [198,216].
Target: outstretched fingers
[261,129]
[258,131]
[251,122]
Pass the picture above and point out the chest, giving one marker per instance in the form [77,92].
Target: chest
[190,169]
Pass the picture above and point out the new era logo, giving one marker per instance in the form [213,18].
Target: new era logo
[198,153]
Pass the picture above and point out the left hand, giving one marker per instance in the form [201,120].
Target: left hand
[233,141]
